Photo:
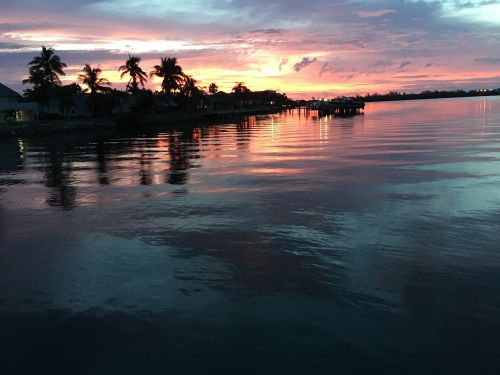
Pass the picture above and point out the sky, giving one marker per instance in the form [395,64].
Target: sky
[313,48]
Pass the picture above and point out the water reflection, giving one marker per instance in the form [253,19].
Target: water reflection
[57,167]
[102,150]
[335,239]
[11,155]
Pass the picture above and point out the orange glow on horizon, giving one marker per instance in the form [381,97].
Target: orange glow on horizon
[293,87]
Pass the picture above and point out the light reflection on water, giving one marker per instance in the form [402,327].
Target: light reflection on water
[282,244]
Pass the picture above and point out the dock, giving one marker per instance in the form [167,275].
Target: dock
[344,106]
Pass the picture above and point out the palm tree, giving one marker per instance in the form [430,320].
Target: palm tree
[36,77]
[45,69]
[44,74]
[90,77]
[213,88]
[240,88]
[95,84]
[171,73]
[190,93]
[188,87]
[137,75]
[40,91]
[67,96]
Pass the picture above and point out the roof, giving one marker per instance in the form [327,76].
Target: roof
[5,91]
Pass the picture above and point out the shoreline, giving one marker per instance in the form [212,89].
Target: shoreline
[127,121]
[135,120]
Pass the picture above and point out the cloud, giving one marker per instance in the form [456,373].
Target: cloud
[324,68]
[306,61]
[488,60]
[375,13]
[267,31]
[415,76]
[22,26]
[283,63]
[11,46]
[328,67]
[262,42]
[380,64]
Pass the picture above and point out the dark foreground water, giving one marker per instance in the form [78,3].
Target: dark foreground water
[286,244]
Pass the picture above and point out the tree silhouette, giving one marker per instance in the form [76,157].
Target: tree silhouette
[240,88]
[95,84]
[171,73]
[137,75]
[67,96]
[188,87]
[44,74]
[90,77]
[213,88]
[45,69]
[189,92]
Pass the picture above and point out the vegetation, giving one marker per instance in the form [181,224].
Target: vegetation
[179,91]
[44,75]
[171,73]
[95,84]
[393,95]
[137,75]
[240,88]
[45,69]
[67,96]
[213,88]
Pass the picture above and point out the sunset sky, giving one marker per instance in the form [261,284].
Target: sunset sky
[308,48]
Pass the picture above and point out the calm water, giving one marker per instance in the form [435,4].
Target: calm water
[286,244]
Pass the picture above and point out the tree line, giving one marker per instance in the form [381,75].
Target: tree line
[394,95]
[46,69]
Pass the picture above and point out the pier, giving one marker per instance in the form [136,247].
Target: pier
[344,106]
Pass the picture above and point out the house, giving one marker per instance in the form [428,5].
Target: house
[12,110]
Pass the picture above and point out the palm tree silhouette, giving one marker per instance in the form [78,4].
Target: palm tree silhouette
[36,77]
[240,88]
[213,88]
[171,73]
[45,69]
[188,87]
[44,74]
[95,84]
[137,75]
[90,77]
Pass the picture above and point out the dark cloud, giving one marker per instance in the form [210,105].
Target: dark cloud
[373,37]
[23,26]
[332,67]
[474,4]
[283,63]
[489,60]
[415,76]
[306,61]
[380,64]
[12,46]
[267,31]
[324,68]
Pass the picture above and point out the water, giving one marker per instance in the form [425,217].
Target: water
[284,244]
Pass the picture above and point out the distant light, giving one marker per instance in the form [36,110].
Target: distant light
[21,147]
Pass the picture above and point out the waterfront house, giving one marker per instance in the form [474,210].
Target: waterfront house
[11,107]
